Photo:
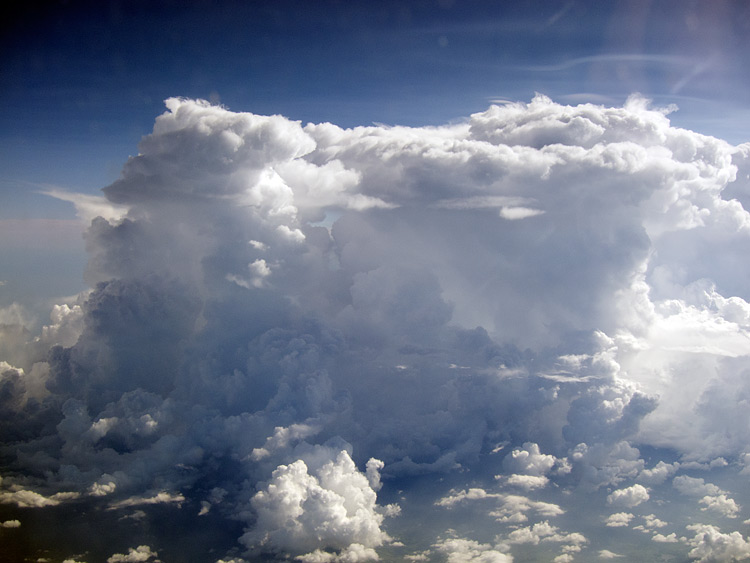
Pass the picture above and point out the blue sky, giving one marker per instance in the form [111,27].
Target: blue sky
[462,282]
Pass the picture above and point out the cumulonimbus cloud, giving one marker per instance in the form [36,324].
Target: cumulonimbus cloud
[292,301]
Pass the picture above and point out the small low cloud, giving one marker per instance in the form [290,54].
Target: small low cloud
[460,550]
[135,555]
[619,519]
[628,497]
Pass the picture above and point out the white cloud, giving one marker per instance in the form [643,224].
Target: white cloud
[10,524]
[514,508]
[710,544]
[134,555]
[89,206]
[714,498]
[528,482]
[282,437]
[533,534]
[669,538]
[629,496]
[24,498]
[545,532]
[102,489]
[372,472]
[695,486]
[474,493]
[515,213]
[529,461]
[721,504]
[658,474]
[353,553]
[619,519]
[651,521]
[458,550]
[162,497]
[332,507]
[509,508]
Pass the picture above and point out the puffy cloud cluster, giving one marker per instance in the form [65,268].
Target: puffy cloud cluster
[714,498]
[508,507]
[710,544]
[135,555]
[544,532]
[619,519]
[304,509]
[459,550]
[529,461]
[528,467]
[24,498]
[658,474]
[272,305]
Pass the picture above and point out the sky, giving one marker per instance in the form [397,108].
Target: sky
[461,282]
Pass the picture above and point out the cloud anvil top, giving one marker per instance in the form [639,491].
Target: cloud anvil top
[520,336]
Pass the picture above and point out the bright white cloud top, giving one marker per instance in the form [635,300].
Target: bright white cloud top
[534,324]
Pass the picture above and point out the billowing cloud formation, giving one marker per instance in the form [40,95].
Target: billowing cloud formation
[629,497]
[543,297]
[334,507]
[529,461]
[710,544]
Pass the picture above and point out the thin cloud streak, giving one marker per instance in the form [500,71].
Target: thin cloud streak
[633,58]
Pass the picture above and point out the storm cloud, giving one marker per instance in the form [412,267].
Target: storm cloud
[511,328]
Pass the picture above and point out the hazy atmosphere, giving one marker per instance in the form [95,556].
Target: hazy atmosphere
[337,282]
